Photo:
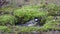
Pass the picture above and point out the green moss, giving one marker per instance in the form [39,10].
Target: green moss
[2,28]
[53,9]
[6,9]
[29,29]
[47,12]
[52,23]
[49,18]
[29,12]
[6,20]
[5,29]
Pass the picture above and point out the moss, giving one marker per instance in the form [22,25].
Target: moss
[7,20]
[53,9]
[4,29]
[28,29]
[49,18]
[29,12]
[52,23]
[47,12]
[6,8]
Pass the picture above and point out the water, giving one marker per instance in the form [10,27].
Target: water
[32,22]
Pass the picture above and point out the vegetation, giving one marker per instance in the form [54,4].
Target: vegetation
[7,20]
[29,12]
[50,14]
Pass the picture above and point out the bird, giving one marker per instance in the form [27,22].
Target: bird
[32,22]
